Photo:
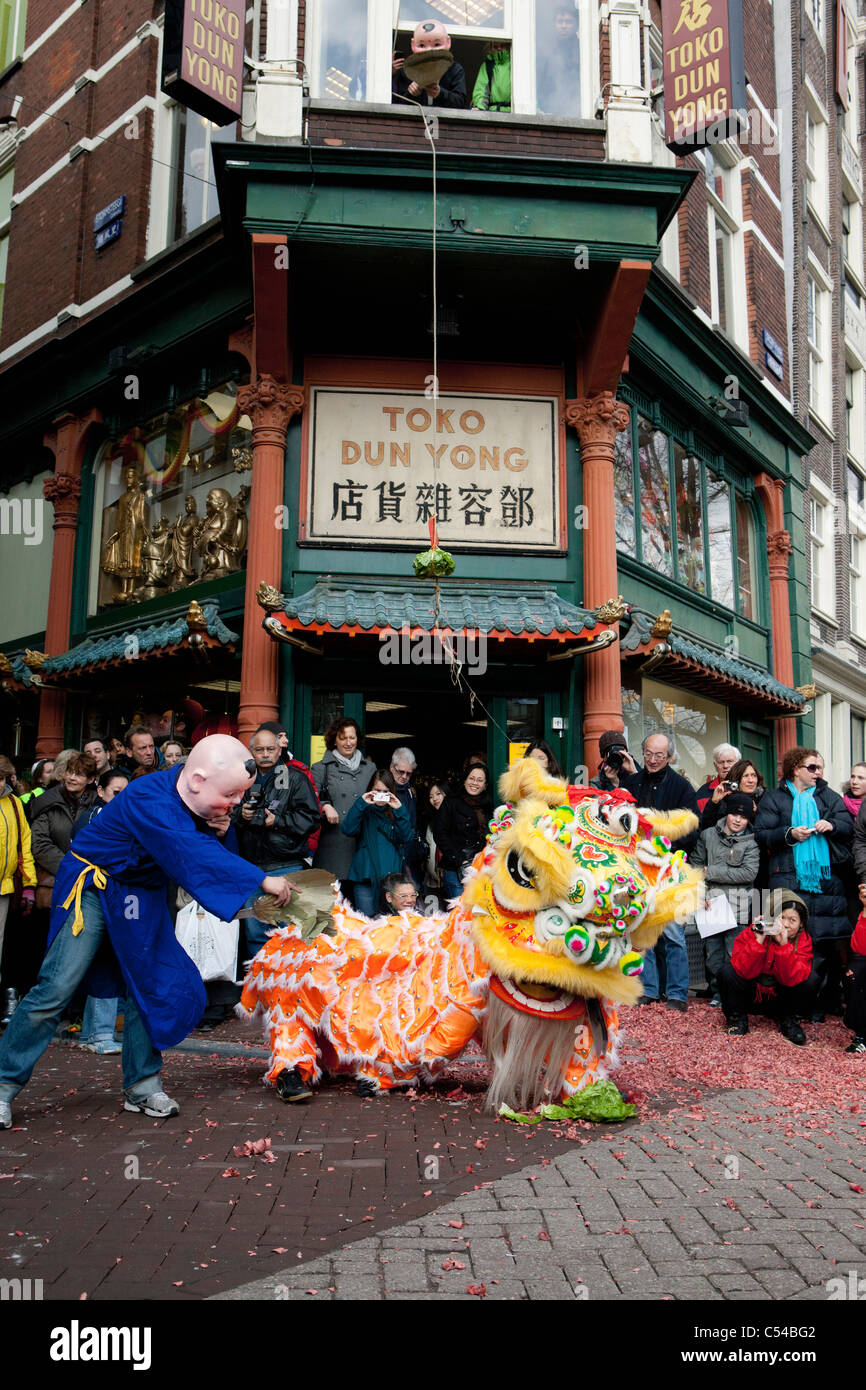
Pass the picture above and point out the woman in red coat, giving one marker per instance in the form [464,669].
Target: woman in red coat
[770,970]
[855,1014]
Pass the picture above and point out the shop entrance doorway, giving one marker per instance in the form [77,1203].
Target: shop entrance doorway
[438,725]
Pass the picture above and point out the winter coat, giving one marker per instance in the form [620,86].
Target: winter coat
[14,846]
[859,845]
[828,908]
[382,840]
[452,89]
[493,84]
[732,863]
[704,793]
[54,815]
[458,835]
[340,788]
[858,939]
[670,792]
[292,799]
[787,965]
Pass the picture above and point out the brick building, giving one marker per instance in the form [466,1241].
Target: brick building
[244,316]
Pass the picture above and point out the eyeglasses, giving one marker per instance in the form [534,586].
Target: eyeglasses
[401,771]
[654,757]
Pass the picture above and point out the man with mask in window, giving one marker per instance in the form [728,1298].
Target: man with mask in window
[449,91]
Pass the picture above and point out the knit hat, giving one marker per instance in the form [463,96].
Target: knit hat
[615,738]
[739,804]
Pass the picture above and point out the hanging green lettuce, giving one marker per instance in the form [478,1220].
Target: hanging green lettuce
[434,564]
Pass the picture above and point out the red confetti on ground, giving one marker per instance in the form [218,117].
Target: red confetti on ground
[452,1264]
[683,1058]
[542,1235]
[856,1187]
[457,1224]
[479,1290]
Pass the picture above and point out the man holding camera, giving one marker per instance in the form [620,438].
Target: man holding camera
[615,760]
[274,821]
[770,970]
[716,788]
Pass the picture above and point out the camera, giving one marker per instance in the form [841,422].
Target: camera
[381,798]
[255,798]
[764,926]
[732,786]
[613,758]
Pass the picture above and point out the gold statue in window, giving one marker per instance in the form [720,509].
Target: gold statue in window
[121,554]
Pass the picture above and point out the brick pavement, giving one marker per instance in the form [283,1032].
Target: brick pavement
[95,1201]
[652,1211]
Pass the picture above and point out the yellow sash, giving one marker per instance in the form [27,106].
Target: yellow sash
[100,878]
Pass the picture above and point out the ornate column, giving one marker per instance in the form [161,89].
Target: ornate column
[270,404]
[779,548]
[598,420]
[63,490]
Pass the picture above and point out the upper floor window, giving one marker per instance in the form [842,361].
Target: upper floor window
[13,19]
[817,174]
[815,11]
[821,561]
[172,499]
[727,266]
[526,56]
[711,547]
[817,320]
[6,181]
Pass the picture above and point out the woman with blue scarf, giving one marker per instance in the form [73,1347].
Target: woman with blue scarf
[806,830]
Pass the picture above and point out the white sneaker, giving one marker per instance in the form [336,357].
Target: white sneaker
[104,1048]
[159,1105]
[5,1115]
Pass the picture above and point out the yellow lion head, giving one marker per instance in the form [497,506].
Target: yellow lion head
[573,883]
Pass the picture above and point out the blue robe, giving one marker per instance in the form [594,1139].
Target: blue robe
[144,839]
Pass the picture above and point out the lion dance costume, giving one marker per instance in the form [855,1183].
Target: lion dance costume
[536,957]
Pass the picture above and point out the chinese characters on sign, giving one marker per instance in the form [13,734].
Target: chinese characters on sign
[382,466]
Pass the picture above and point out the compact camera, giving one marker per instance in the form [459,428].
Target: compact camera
[732,786]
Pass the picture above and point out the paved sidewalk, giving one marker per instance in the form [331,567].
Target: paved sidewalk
[673,1209]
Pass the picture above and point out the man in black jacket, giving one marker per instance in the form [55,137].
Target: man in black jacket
[274,821]
[658,786]
[449,91]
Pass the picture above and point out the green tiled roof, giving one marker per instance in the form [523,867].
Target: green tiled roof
[513,609]
[743,672]
[155,637]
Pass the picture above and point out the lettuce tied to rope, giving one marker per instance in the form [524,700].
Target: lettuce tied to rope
[434,564]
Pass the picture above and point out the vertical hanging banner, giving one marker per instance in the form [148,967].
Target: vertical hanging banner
[203,56]
[705,72]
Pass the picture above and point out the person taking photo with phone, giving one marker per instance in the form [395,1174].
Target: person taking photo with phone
[383,828]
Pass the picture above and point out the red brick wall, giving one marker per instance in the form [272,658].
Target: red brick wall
[382,130]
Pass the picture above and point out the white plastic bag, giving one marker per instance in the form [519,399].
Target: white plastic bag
[212,945]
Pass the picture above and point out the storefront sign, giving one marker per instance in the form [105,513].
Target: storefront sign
[704,68]
[382,464]
[203,56]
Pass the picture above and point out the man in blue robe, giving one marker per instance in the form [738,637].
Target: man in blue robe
[110,922]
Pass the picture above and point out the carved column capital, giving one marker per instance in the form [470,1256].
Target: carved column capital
[779,548]
[63,491]
[270,404]
[597,419]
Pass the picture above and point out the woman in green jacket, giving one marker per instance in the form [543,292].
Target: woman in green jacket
[384,830]
[493,84]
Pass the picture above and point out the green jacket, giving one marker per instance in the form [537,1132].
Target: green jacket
[493,84]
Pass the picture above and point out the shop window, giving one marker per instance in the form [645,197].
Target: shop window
[690,521]
[721,539]
[655,498]
[172,502]
[623,486]
[13,20]
[746,569]
[697,726]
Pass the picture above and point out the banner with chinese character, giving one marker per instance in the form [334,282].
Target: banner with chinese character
[381,464]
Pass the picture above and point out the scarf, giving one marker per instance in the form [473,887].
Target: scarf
[853,803]
[811,856]
[481,806]
[351,764]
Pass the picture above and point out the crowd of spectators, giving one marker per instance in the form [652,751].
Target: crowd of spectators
[784,920]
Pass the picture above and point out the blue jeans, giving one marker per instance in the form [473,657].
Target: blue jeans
[99,1018]
[366,897]
[257,932]
[35,1020]
[677,959]
[452,884]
